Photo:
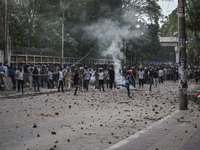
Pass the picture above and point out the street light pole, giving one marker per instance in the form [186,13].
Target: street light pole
[182,56]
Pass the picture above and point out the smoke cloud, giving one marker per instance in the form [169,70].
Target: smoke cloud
[111,35]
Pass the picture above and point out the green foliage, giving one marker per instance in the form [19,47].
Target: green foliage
[193,31]
[38,23]
[170,25]
[170,28]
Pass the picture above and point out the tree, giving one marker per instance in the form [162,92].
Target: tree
[35,23]
[193,25]
[22,14]
[170,26]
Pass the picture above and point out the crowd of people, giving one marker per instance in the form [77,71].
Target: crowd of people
[101,76]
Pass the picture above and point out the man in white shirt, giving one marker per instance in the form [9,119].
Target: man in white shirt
[20,77]
[50,79]
[160,75]
[5,68]
[87,76]
[60,80]
[141,78]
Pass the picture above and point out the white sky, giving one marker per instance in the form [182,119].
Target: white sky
[167,6]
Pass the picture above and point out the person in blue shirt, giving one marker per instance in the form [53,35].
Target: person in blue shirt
[11,73]
[128,81]
[1,68]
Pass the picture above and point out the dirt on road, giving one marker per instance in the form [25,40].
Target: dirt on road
[93,120]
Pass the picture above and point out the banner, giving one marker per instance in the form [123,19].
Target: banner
[181,8]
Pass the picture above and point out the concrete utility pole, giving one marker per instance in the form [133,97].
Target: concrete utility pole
[6,50]
[182,56]
[63,19]
[125,59]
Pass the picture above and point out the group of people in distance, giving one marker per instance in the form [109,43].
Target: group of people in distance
[77,77]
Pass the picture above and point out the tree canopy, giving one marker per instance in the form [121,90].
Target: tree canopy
[37,24]
[170,28]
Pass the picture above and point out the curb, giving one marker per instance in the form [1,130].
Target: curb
[137,134]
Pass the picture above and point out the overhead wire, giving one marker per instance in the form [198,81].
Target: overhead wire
[93,46]
[58,10]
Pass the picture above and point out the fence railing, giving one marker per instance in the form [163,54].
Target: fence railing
[35,59]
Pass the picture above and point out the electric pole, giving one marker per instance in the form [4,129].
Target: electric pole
[182,56]
[6,49]
[63,18]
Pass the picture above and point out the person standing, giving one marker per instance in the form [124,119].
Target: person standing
[30,76]
[60,80]
[50,83]
[87,76]
[67,75]
[133,77]
[107,77]
[112,76]
[101,79]
[11,73]
[160,76]
[1,68]
[36,79]
[76,79]
[5,68]
[141,78]
[150,79]
[155,78]
[20,77]
[128,81]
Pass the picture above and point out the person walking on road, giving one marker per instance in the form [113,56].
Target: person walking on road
[128,81]
[36,79]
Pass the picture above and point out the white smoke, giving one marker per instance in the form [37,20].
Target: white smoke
[111,35]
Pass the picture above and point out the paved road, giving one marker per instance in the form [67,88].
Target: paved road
[180,131]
